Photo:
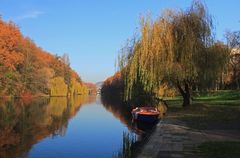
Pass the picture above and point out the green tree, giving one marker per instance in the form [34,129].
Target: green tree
[58,87]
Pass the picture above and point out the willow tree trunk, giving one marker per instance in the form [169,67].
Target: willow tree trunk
[185,94]
[186,99]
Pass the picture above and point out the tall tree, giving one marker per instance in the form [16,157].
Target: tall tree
[176,49]
[67,72]
[27,69]
[233,40]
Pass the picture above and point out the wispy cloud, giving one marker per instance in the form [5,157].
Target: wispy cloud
[30,15]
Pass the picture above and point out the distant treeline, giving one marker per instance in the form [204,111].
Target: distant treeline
[176,54]
[26,69]
[113,87]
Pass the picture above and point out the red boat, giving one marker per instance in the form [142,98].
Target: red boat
[146,114]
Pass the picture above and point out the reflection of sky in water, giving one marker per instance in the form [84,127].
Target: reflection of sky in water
[93,132]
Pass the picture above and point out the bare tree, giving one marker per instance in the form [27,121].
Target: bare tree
[233,40]
[67,71]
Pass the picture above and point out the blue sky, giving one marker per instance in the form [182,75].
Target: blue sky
[92,31]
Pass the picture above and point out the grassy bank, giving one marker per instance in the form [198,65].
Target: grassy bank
[214,111]
[220,150]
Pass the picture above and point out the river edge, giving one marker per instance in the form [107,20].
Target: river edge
[140,147]
[174,138]
[41,96]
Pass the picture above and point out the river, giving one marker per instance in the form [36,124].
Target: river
[82,126]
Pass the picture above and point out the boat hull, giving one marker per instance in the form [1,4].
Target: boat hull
[147,118]
[146,114]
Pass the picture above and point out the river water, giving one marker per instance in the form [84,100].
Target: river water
[82,126]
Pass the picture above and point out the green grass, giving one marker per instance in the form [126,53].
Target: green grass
[215,110]
[220,98]
[221,94]
[220,150]
[211,111]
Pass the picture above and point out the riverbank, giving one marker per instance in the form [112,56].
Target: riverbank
[173,138]
[41,96]
[188,132]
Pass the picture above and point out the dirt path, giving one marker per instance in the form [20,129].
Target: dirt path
[174,139]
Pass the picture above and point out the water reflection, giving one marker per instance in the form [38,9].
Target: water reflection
[119,110]
[128,144]
[123,113]
[138,131]
[61,127]
[26,122]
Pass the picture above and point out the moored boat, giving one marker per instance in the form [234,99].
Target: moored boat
[146,114]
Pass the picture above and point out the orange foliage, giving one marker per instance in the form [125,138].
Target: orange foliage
[21,62]
[113,86]
[10,56]
[76,76]
[113,80]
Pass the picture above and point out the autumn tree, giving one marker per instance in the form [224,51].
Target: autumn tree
[10,58]
[220,54]
[178,49]
[233,40]
[113,86]
[27,69]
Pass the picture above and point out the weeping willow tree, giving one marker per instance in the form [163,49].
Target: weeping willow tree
[174,49]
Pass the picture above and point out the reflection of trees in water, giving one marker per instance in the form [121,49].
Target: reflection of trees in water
[23,124]
[128,143]
[121,111]
[132,140]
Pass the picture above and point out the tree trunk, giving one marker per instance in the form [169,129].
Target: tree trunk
[237,84]
[186,100]
[185,94]
[235,79]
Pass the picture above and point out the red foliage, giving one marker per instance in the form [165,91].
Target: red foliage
[26,95]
